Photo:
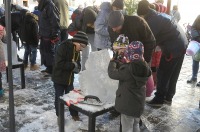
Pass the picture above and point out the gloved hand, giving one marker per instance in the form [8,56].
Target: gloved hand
[54,39]
[76,69]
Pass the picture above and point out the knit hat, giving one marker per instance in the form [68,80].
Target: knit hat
[134,51]
[80,37]
[89,15]
[121,42]
[115,19]
[119,4]
[143,7]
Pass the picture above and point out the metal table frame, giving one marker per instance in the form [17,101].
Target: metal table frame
[91,115]
[21,66]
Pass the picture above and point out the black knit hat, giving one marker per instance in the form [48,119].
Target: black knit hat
[143,7]
[80,37]
[119,4]
[115,19]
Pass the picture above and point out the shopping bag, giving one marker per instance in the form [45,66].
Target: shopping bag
[149,86]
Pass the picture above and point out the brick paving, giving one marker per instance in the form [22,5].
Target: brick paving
[184,113]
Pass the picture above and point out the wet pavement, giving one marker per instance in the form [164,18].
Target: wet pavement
[184,113]
[182,116]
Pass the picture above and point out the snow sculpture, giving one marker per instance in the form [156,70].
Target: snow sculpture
[95,80]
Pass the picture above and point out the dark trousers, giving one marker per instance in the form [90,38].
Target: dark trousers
[47,51]
[0,81]
[167,76]
[61,90]
[195,69]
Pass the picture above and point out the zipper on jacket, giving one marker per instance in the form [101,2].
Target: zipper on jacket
[75,61]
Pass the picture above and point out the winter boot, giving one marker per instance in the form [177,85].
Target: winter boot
[76,118]
[34,67]
[1,92]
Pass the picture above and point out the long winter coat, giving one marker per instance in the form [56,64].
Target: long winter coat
[169,35]
[102,38]
[49,22]
[130,95]
[63,66]
[136,29]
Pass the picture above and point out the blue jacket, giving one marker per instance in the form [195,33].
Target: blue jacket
[169,35]
[102,38]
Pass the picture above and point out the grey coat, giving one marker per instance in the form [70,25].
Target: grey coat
[102,38]
[130,96]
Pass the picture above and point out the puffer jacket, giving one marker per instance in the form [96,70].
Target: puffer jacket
[49,22]
[102,38]
[130,95]
[63,65]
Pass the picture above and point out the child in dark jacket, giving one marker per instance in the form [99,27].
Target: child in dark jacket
[132,76]
[67,62]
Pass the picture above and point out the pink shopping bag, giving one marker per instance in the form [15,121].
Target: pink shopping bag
[149,86]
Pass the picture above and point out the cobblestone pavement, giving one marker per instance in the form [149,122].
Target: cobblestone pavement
[184,113]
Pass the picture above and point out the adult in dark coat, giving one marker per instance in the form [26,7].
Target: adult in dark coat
[29,34]
[172,41]
[135,28]
[49,30]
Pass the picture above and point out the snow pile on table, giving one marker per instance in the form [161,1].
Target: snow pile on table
[95,80]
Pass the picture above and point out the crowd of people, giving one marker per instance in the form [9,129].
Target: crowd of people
[156,46]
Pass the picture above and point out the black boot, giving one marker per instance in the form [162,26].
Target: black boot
[192,80]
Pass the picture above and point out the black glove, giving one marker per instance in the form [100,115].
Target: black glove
[76,69]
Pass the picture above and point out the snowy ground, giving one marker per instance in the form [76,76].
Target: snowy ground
[34,107]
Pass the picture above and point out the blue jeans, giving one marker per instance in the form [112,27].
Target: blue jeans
[195,69]
[32,52]
[60,90]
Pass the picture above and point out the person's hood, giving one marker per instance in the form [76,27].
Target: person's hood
[42,4]
[140,70]
[105,6]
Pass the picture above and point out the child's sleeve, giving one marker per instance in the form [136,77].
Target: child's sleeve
[115,73]
[60,60]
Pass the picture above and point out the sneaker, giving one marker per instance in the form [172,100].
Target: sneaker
[76,118]
[47,76]
[155,102]
[168,102]
[198,84]
[192,80]
[34,67]
[1,92]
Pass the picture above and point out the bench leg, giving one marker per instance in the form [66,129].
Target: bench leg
[92,123]
[61,117]
[22,77]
